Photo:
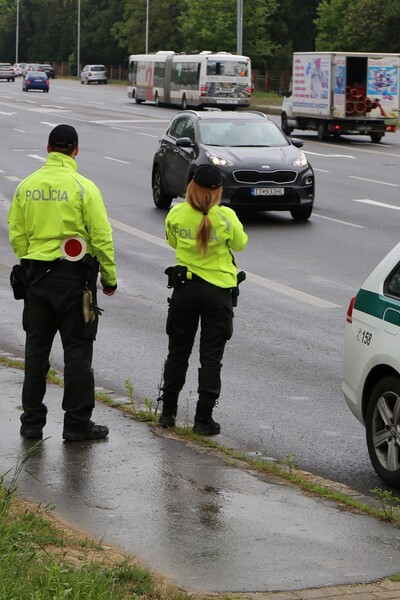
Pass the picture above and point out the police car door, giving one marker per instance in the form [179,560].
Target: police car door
[180,154]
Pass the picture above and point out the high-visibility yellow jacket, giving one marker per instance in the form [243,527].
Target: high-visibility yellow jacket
[218,265]
[54,203]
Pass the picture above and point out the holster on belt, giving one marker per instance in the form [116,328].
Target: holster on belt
[89,302]
[177,276]
[19,281]
[241,276]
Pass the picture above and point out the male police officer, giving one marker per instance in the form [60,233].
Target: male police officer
[50,206]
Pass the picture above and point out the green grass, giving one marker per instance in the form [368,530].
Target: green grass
[265,98]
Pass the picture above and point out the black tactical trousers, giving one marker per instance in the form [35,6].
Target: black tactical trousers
[197,301]
[54,303]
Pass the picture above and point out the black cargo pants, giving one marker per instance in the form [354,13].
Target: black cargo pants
[54,303]
[192,302]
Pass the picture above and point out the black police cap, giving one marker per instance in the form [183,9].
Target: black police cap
[63,136]
[208,176]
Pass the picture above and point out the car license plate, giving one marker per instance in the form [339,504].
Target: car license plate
[269,191]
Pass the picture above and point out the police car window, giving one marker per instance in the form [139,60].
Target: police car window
[392,283]
[178,127]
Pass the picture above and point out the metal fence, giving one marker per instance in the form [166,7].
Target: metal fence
[118,72]
[267,82]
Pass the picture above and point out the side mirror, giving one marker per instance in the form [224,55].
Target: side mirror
[297,142]
[184,142]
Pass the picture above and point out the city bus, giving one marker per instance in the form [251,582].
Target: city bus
[190,80]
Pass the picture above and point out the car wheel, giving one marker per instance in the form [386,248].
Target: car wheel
[184,103]
[322,131]
[383,429]
[376,137]
[303,213]
[160,197]
[138,101]
[81,81]
[284,125]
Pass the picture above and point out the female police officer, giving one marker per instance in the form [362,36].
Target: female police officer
[203,234]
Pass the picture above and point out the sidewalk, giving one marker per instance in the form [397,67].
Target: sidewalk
[189,514]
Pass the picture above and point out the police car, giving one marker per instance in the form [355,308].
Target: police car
[371,375]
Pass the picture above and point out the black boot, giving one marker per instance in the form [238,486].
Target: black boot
[169,410]
[204,424]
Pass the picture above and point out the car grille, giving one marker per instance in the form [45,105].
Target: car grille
[253,177]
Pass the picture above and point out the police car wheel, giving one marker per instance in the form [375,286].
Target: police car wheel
[383,429]
[160,197]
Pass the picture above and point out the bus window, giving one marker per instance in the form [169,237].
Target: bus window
[230,68]
[185,74]
[132,71]
[159,74]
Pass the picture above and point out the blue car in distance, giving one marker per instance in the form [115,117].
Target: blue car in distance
[35,80]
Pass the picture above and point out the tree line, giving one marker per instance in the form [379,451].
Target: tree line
[110,30]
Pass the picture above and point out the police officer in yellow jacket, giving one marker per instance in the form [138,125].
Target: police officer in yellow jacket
[204,281]
[51,206]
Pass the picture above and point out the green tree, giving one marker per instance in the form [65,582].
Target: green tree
[294,31]
[129,31]
[212,25]
[98,44]
[329,23]
[362,25]
[371,26]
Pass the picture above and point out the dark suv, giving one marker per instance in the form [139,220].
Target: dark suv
[262,169]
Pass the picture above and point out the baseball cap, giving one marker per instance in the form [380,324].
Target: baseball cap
[208,176]
[63,136]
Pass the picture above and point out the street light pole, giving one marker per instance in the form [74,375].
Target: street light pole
[17,34]
[147,26]
[239,38]
[78,50]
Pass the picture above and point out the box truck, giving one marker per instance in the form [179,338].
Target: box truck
[337,93]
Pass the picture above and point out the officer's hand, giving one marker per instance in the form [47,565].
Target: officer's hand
[108,292]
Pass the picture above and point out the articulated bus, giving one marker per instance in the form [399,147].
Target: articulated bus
[196,80]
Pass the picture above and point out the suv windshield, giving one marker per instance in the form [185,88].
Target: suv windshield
[249,132]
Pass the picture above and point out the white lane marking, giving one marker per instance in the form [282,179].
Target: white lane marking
[45,110]
[375,203]
[261,281]
[147,134]
[1,171]
[125,162]
[12,178]
[330,155]
[54,106]
[19,130]
[118,121]
[285,290]
[37,157]
[47,123]
[374,181]
[9,114]
[120,129]
[338,221]
[322,171]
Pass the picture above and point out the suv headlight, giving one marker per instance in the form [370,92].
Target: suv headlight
[219,161]
[301,161]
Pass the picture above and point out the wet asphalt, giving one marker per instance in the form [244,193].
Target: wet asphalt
[188,513]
